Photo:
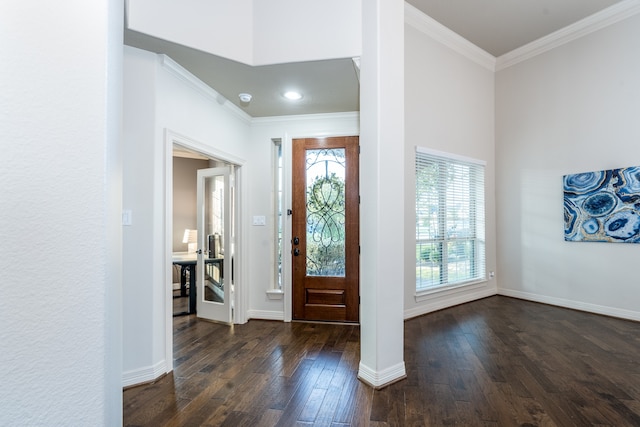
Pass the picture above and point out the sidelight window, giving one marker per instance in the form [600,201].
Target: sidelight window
[278,208]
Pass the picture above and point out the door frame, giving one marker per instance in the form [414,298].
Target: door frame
[287,162]
[348,284]
[172,138]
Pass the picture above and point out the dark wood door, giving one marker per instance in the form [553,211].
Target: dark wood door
[326,229]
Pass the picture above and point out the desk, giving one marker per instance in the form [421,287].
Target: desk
[187,262]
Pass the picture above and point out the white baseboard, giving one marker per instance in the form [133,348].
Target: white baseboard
[265,315]
[440,302]
[379,379]
[144,375]
[576,305]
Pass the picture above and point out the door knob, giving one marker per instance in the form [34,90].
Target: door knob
[296,252]
[296,240]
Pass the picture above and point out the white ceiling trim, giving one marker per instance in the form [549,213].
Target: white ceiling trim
[595,22]
[202,88]
[429,26]
[349,116]
[173,138]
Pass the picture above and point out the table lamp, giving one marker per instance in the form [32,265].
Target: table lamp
[191,239]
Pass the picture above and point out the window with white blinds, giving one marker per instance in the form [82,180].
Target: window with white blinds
[450,228]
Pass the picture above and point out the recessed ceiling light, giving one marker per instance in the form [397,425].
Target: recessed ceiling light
[292,95]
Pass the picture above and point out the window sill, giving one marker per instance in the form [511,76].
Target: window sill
[448,289]
[275,294]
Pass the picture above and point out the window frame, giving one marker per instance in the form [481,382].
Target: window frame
[476,233]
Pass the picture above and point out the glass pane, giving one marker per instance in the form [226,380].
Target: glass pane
[460,257]
[278,213]
[459,202]
[428,262]
[428,202]
[214,230]
[325,201]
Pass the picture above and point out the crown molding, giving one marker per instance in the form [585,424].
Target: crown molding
[429,26]
[588,25]
[202,88]
[347,116]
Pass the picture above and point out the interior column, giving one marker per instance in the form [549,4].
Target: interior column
[382,192]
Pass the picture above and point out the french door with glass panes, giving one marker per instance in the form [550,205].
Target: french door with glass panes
[216,244]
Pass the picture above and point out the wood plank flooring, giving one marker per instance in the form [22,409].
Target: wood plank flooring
[493,362]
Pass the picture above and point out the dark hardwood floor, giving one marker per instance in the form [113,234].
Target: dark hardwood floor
[493,362]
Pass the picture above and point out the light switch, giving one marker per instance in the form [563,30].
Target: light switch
[259,220]
[127,217]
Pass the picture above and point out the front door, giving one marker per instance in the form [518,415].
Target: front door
[326,229]
[215,244]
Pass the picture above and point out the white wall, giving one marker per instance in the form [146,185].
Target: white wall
[160,95]
[572,109]
[294,31]
[449,106]
[142,279]
[254,32]
[60,198]
[221,27]
[161,99]
[185,180]
[382,199]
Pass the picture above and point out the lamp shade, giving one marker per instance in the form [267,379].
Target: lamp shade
[190,236]
[191,239]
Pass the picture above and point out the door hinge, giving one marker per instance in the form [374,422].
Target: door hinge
[358,250]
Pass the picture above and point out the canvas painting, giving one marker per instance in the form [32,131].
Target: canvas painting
[603,206]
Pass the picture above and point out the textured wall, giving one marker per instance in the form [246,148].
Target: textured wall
[59,198]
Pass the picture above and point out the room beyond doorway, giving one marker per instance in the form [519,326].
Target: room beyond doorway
[202,237]
[192,156]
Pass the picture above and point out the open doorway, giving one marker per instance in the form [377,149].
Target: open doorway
[203,237]
[184,231]
[203,256]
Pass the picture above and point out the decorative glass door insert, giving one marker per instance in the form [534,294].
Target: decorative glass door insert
[325,202]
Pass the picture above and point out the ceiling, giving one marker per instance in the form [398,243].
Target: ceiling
[500,26]
[496,26]
[327,86]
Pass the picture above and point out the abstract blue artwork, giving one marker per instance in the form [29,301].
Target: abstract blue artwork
[603,206]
